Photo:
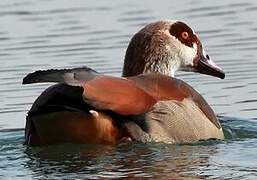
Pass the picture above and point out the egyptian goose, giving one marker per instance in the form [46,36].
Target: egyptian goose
[147,104]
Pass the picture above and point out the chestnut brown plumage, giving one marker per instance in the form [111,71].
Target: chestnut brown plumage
[147,104]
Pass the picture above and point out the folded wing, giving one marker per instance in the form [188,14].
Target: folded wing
[120,95]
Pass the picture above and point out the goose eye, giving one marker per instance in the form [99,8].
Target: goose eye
[184,35]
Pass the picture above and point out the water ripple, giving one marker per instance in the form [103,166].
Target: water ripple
[58,34]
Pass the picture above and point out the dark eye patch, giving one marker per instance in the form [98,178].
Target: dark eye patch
[178,28]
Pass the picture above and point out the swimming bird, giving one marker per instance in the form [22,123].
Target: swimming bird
[146,104]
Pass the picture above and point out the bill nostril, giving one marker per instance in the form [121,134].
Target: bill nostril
[207,56]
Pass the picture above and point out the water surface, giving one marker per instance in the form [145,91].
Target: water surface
[37,34]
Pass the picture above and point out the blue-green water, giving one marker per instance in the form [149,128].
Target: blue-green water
[37,34]
[232,158]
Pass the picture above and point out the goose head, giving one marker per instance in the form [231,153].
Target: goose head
[166,47]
